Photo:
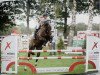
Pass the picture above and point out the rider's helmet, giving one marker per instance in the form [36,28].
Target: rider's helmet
[44,19]
[45,15]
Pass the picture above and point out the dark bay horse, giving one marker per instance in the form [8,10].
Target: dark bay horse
[42,37]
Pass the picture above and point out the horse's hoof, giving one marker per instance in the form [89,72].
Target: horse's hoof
[28,59]
[35,64]
[33,54]
[25,69]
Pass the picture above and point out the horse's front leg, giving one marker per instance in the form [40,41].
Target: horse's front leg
[38,54]
[31,48]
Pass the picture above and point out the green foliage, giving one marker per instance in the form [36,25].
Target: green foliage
[23,29]
[58,10]
[80,27]
[8,32]
[96,27]
[83,27]
[96,6]
[6,16]
[5,22]
[82,6]
[60,44]
[60,26]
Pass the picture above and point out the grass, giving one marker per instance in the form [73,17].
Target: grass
[51,63]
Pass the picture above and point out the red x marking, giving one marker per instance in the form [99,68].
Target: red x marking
[95,45]
[7,45]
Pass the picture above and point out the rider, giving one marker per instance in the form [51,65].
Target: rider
[41,20]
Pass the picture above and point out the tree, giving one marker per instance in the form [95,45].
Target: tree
[90,11]
[72,27]
[80,6]
[60,44]
[27,6]
[18,7]
[65,18]
[89,6]
[6,19]
[93,10]
[61,12]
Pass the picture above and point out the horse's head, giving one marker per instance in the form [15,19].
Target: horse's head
[44,31]
[48,31]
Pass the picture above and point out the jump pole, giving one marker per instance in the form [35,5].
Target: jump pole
[75,50]
[59,57]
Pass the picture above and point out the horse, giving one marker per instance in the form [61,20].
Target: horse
[42,37]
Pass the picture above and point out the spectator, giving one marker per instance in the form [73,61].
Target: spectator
[53,45]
